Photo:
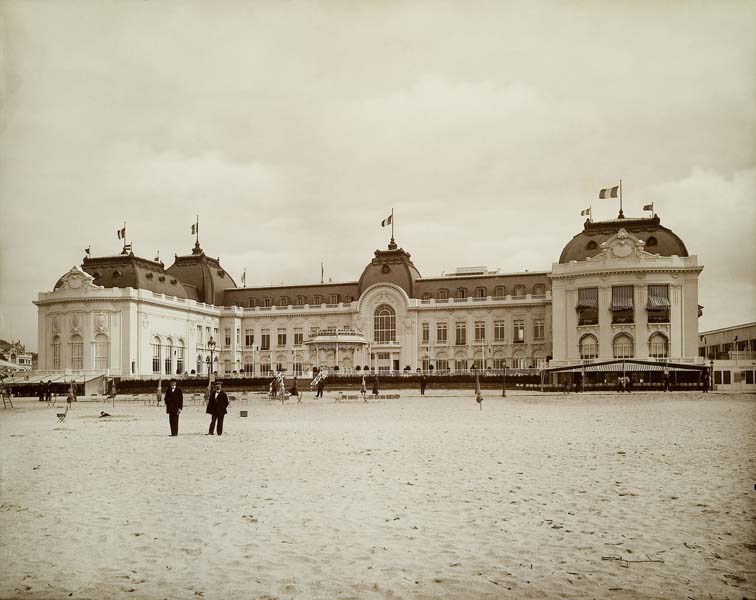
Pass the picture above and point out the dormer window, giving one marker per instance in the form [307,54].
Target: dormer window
[267,302]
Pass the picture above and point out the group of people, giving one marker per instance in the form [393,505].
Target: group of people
[217,407]
[44,391]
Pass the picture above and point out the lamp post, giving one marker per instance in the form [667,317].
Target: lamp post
[211,347]
[711,375]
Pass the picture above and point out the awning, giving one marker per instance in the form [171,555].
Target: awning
[587,298]
[658,297]
[622,297]
[629,365]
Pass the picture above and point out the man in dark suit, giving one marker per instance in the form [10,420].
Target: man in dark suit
[216,407]
[423,384]
[174,402]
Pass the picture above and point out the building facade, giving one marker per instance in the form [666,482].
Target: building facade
[131,317]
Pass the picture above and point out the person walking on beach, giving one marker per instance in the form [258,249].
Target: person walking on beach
[363,390]
[321,387]
[216,408]
[375,386]
[48,390]
[174,402]
[41,391]
[71,394]
[294,391]
[706,381]
[274,388]
[423,384]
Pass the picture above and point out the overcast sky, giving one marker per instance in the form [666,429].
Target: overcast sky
[293,128]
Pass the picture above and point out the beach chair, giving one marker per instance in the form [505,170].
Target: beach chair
[62,416]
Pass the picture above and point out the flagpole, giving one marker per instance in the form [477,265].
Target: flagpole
[196,231]
[392,224]
[124,238]
[621,214]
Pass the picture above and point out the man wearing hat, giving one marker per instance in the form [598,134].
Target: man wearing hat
[216,407]
[174,402]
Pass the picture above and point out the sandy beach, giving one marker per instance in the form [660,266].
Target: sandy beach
[579,496]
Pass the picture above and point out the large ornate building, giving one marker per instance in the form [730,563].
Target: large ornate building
[625,287]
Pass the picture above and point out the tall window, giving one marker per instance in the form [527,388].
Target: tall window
[56,353]
[77,353]
[480,331]
[442,365]
[317,300]
[384,324]
[238,336]
[500,291]
[298,336]
[227,336]
[658,346]
[267,302]
[588,347]
[518,331]
[333,299]
[180,357]
[461,334]
[461,293]
[587,306]
[102,348]
[481,292]
[443,294]
[300,300]
[658,304]
[249,337]
[499,363]
[499,331]
[281,337]
[426,333]
[283,301]
[519,290]
[199,364]
[623,346]
[200,343]
[460,364]
[441,333]
[427,296]
[156,355]
[539,326]
[168,356]
[265,339]
[622,304]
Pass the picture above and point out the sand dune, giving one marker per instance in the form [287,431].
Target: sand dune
[533,497]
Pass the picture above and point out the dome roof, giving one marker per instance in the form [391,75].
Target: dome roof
[204,274]
[390,266]
[658,239]
[127,270]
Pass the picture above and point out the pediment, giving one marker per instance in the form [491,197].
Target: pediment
[621,246]
[77,280]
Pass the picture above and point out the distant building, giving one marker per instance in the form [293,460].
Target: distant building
[625,287]
[731,352]
[14,357]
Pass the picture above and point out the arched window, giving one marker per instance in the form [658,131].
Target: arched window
[102,352]
[168,356]
[658,346]
[180,357]
[461,293]
[623,346]
[539,289]
[481,292]
[77,353]
[500,291]
[200,362]
[156,354]
[56,353]
[443,294]
[588,346]
[519,290]
[384,324]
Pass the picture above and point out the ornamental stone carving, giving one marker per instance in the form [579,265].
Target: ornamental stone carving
[101,323]
[76,323]
[56,324]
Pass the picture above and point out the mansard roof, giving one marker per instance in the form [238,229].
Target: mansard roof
[658,239]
